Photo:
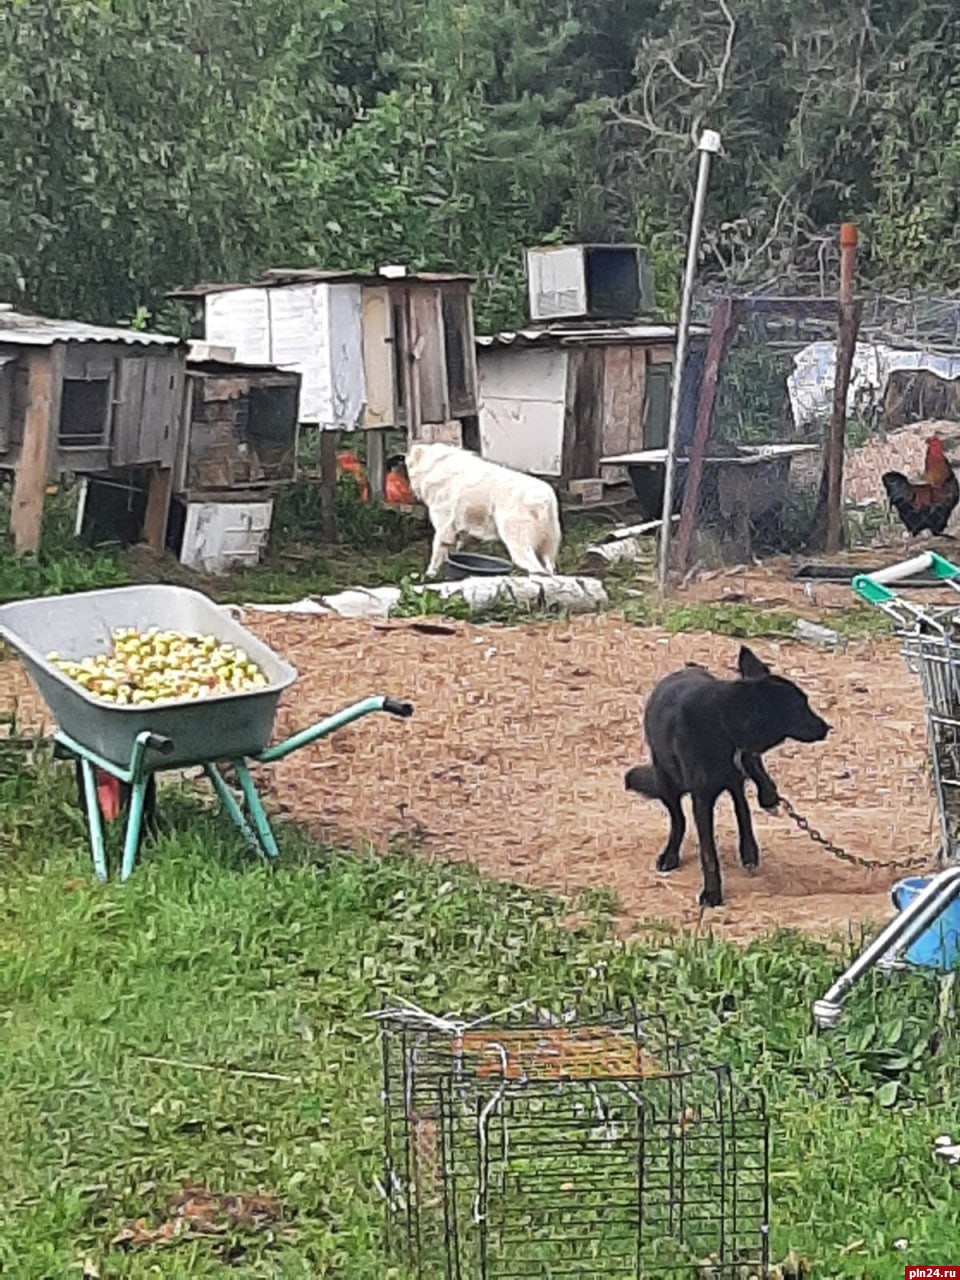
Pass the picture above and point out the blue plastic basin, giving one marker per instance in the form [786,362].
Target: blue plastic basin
[938,947]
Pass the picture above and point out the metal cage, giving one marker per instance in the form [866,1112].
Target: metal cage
[571,1148]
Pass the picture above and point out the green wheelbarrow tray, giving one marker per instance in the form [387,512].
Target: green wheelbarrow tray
[132,743]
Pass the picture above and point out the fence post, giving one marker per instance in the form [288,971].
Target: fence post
[709,145]
[828,519]
[726,316]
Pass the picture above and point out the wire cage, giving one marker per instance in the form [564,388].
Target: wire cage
[930,641]
[573,1148]
[935,657]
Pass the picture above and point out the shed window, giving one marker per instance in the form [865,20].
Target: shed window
[454,338]
[85,413]
[400,357]
[272,423]
[656,410]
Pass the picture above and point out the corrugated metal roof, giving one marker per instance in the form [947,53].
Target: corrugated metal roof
[278,277]
[17,329]
[561,335]
[224,368]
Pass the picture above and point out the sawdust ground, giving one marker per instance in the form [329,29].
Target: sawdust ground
[514,762]
[515,757]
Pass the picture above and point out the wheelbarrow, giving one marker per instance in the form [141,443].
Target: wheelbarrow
[132,743]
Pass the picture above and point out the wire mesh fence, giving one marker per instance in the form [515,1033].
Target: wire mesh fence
[762,437]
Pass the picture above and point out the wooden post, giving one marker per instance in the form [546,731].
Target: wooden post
[415,350]
[723,325]
[159,494]
[328,484]
[44,389]
[827,532]
[375,462]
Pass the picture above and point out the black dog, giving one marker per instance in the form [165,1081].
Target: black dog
[707,736]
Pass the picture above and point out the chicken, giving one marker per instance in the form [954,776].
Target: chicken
[349,464]
[930,504]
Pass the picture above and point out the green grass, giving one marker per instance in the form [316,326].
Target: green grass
[205,957]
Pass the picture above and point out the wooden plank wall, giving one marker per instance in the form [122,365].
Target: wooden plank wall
[427,347]
[624,378]
[583,419]
[379,354]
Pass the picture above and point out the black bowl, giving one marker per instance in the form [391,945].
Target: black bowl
[461,564]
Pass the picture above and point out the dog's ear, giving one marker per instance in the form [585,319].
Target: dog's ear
[750,666]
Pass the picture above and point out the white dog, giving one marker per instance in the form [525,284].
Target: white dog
[467,496]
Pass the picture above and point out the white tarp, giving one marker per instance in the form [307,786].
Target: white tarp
[810,386]
[576,595]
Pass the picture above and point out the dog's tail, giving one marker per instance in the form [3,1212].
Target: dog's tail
[642,779]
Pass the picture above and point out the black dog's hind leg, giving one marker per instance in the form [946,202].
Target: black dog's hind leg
[767,794]
[669,859]
[749,850]
[711,895]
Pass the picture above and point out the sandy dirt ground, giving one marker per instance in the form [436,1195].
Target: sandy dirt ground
[514,762]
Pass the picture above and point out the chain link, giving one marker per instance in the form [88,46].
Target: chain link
[835,849]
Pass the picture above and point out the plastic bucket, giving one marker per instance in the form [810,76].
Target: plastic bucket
[938,947]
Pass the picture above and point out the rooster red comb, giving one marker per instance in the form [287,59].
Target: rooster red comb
[935,447]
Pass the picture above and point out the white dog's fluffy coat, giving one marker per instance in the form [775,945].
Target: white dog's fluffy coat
[467,496]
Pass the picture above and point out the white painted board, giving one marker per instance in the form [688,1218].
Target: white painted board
[523,408]
[556,282]
[299,324]
[344,355]
[526,435]
[220,536]
[239,319]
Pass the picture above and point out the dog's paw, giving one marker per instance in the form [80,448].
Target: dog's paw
[668,861]
[711,897]
[750,857]
[768,798]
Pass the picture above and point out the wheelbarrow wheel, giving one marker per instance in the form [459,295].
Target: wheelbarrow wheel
[110,788]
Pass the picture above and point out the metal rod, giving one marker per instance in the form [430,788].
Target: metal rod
[230,806]
[902,931]
[255,810]
[320,730]
[94,824]
[709,145]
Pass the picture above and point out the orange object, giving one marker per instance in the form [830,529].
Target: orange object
[108,795]
[351,464]
[397,490]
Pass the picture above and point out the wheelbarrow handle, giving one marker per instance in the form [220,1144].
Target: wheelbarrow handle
[331,724]
[157,742]
[396,708]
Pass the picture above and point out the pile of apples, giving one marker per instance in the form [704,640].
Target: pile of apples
[154,667]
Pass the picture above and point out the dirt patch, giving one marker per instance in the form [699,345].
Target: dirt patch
[769,588]
[515,758]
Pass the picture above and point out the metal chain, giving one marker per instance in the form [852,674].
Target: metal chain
[804,825]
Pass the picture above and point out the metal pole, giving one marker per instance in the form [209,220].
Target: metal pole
[709,145]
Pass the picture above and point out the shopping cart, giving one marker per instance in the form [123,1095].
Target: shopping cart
[930,638]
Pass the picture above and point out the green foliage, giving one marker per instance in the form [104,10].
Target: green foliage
[151,145]
[62,564]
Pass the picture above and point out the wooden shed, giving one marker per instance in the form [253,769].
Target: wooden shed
[556,399]
[85,399]
[376,352]
[241,424]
